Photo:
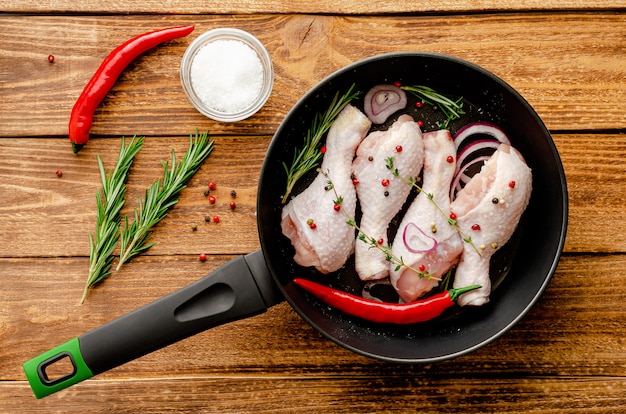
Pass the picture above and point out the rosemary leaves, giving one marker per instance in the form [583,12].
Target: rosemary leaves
[160,196]
[308,157]
[108,218]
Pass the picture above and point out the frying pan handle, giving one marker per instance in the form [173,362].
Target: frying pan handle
[241,288]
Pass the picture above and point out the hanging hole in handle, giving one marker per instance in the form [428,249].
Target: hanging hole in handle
[55,370]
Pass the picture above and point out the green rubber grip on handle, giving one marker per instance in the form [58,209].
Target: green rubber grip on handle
[36,369]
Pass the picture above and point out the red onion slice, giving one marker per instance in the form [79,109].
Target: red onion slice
[416,241]
[383,100]
[467,153]
[461,177]
[484,128]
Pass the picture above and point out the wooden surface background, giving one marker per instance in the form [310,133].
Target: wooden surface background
[567,58]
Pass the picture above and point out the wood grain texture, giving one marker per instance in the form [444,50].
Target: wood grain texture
[568,66]
[566,355]
[306,6]
[35,202]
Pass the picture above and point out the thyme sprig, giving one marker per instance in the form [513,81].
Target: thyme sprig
[372,242]
[430,196]
[110,202]
[308,157]
[452,109]
[161,196]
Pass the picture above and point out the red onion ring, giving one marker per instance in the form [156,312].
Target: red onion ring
[465,155]
[485,128]
[383,100]
[410,234]
[455,187]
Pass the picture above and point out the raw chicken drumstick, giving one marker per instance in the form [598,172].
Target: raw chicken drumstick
[488,210]
[381,195]
[425,240]
[320,235]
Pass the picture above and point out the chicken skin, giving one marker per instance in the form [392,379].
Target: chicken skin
[319,233]
[488,210]
[380,193]
[426,241]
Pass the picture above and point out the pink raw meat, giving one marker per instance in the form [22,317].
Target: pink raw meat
[488,210]
[434,229]
[330,243]
[381,195]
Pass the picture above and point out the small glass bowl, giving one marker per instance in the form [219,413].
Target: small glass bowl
[227,34]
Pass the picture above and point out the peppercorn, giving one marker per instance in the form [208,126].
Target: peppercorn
[202,257]
[50,58]
[399,148]
[386,193]
[450,159]
[495,200]
[232,205]
[194,227]
[233,193]
[212,185]
[475,227]
[59,173]
[207,219]
[206,192]
[212,199]
[216,219]
[385,182]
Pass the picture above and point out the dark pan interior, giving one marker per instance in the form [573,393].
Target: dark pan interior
[528,262]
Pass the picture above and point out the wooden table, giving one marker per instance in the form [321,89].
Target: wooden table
[567,58]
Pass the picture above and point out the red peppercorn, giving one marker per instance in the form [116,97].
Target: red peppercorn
[399,148]
[419,104]
[355,181]
[337,207]
[475,227]
[380,242]
[59,173]
[202,257]
[385,182]
[313,226]
[212,199]
[420,123]
[232,205]
[216,219]
[453,216]
[512,184]
[323,149]
[450,159]
[212,185]
[422,268]
[50,58]
[397,84]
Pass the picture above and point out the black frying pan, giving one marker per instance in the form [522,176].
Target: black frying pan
[250,284]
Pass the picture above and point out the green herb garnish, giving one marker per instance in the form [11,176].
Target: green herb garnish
[308,156]
[161,196]
[452,109]
[108,218]
[413,183]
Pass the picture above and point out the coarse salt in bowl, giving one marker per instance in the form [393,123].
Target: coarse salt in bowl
[227,74]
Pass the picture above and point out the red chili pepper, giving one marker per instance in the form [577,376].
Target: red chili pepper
[110,69]
[382,312]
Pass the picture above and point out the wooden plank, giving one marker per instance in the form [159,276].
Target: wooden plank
[570,332]
[306,6]
[568,66]
[35,202]
[361,392]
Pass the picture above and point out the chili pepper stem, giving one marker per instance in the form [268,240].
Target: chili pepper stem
[456,292]
[76,147]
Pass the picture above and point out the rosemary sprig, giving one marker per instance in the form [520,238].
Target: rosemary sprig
[412,182]
[308,156]
[452,109]
[160,197]
[372,242]
[110,202]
